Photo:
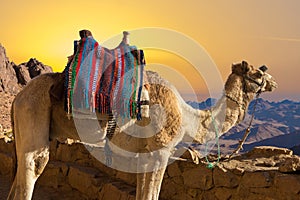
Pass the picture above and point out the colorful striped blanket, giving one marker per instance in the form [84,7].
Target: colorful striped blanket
[103,80]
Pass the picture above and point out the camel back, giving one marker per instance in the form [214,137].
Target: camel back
[103,80]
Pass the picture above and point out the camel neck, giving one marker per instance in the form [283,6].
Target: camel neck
[227,113]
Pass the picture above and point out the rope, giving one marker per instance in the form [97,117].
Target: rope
[211,165]
[247,131]
[111,127]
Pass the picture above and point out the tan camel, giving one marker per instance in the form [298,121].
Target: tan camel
[36,119]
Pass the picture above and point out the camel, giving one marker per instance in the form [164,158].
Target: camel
[38,119]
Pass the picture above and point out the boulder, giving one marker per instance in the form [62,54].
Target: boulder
[290,165]
[268,151]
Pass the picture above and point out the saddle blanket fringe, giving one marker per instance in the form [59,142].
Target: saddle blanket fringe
[105,81]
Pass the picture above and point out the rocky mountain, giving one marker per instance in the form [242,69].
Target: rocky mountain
[290,140]
[8,78]
[28,70]
[275,123]
[13,78]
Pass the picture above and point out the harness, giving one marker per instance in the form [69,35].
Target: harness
[210,164]
[248,129]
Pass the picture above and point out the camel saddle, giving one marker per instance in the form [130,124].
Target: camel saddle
[101,80]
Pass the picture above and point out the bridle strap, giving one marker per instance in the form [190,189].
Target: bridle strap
[245,77]
[252,80]
[235,101]
[248,129]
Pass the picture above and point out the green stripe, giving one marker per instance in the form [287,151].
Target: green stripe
[73,78]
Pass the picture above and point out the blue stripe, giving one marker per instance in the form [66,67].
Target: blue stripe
[79,85]
[126,92]
[97,69]
[119,68]
[91,51]
[113,66]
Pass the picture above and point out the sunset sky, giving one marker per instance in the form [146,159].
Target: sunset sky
[259,31]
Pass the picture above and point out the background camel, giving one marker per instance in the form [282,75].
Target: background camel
[37,118]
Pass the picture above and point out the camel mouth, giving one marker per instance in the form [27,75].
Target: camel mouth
[274,86]
[271,84]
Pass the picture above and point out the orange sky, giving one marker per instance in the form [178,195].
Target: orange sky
[261,32]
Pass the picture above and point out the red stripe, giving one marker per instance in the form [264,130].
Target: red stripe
[122,75]
[115,77]
[100,74]
[80,55]
[93,69]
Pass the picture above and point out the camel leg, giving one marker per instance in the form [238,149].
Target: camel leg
[158,178]
[30,167]
[31,131]
[141,179]
[149,183]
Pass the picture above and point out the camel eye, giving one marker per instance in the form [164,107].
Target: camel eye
[258,74]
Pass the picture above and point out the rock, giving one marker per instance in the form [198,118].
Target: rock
[290,165]
[287,185]
[27,71]
[257,179]
[198,178]
[81,178]
[71,153]
[22,74]
[8,79]
[129,178]
[112,191]
[170,189]
[223,193]
[192,192]
[89,179]
[7,164]
[173,170]
[225,179]
[36,68]
[12,79]
[268,151]
[52,176]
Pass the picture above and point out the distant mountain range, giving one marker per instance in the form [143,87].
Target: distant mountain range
[275,124]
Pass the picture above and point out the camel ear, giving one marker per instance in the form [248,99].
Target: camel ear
[245,67]
[240,68]
[263,68]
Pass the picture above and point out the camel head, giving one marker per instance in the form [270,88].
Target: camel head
[249,80]
[241,87]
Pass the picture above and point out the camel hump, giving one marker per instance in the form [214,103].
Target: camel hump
[57,89]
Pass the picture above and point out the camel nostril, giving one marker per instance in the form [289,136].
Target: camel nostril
[273,87]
